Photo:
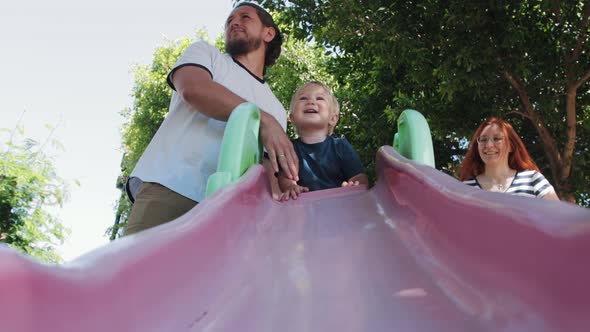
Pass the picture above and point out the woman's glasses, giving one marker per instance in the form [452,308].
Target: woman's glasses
[483,140]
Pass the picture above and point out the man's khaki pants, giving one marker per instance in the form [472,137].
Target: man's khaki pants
[155,205]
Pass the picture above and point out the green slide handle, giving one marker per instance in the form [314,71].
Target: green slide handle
[240,147]
[413,139]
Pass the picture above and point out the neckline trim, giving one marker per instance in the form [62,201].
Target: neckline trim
[505,190]
[261,80]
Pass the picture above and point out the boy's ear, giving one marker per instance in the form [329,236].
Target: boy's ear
[290,117]
[334,119]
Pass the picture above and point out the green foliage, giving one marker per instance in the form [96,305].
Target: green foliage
[29,188]
[446,59]
[451,60]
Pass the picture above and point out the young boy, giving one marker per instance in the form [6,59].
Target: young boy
[324,161]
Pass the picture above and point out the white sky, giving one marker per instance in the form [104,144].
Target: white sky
[68,63]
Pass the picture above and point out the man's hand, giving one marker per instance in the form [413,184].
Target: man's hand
[279,147]
[212,99]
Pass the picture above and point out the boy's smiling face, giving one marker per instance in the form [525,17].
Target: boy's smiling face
[312,110]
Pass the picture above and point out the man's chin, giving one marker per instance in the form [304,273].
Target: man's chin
[237,47]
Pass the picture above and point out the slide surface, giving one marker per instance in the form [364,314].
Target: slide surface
[417,252]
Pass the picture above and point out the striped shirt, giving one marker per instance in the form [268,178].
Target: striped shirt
[525,183]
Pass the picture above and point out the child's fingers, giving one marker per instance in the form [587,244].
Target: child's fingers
[284,197]
[294,193]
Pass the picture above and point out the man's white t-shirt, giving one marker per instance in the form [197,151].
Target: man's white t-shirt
[184,151]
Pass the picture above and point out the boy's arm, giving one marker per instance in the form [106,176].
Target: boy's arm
[357,180]
[352,164]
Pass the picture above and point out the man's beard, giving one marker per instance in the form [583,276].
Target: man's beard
[239,47]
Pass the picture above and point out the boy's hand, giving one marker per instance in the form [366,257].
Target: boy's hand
[289,188]
[357,180]
[292,192]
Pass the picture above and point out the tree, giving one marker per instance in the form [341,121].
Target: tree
[459,62]
[29,188]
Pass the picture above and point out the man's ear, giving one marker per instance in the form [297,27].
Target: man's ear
[269,34]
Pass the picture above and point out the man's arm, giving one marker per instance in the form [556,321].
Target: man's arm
[195,86]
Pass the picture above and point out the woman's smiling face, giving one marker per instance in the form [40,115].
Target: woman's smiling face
[493,145]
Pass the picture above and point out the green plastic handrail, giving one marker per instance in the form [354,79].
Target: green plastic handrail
[240,147]
[413,139]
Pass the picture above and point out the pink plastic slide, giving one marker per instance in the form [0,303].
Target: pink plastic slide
[417,252]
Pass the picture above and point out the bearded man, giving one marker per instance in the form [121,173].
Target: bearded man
[171,176]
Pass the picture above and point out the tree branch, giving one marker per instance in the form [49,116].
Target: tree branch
[568,151]
[582,80]
[520,89]
[551,150]
[580,42]
[519,113]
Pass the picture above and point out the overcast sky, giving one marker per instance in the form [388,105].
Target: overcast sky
[68,63]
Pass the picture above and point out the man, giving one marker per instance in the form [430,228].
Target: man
[171,176]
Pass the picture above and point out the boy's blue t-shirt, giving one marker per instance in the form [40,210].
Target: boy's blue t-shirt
[327,164]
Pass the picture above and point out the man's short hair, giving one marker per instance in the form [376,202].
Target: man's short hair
[273,50]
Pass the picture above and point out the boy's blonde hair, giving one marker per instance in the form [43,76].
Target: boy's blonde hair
[334,109]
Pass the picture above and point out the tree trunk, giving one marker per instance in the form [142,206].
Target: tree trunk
[560,164]
[562,179]
[574,82]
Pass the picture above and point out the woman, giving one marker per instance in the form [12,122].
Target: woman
[498,161]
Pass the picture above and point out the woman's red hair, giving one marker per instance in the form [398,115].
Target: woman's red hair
[519,159]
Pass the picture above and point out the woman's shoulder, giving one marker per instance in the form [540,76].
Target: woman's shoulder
[532,182]
[529,174]
[526,172]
